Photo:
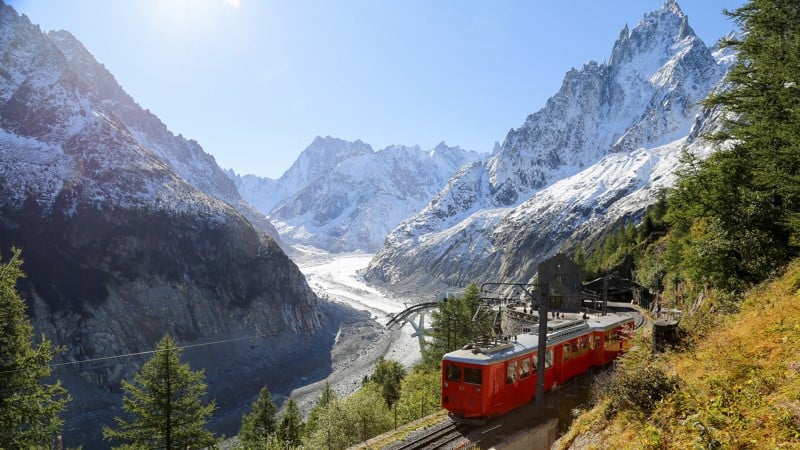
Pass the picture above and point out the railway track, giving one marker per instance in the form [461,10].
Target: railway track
[639,319]
[447,435]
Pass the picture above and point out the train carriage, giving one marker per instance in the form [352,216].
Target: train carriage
[487,379]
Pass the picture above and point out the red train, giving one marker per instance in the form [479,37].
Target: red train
[485,380]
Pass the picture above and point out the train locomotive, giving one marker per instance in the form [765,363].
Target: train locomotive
[490,378]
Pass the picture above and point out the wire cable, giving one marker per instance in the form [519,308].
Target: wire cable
[154,351]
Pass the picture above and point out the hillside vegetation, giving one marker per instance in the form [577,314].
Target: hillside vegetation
[736,387]
[725,251]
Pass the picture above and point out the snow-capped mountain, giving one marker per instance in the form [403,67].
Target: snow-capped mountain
[611,134]
[185,156]
[118,247]
[343,196]
[319,158]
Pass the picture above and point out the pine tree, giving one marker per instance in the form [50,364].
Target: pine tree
[290,428]
[260,424]
[326,397]
[740,209]
[28,409]
[452,325]
[164,405]
[388,374]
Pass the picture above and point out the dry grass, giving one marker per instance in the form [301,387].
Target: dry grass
[402,432]
[739,385]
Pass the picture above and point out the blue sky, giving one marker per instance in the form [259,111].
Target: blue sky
[254,81]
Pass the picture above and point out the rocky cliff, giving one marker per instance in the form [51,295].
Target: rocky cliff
[185,156]
[121,248]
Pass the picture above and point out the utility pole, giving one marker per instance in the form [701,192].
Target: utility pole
[544,297]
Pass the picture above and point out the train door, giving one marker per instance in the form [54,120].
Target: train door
[557,361]
[584,353]
[527,375]
[498,385]
[452,387]
[512,387]
[567,361]
[627,334]
[549,376]
[473,391]
[596,348]
[549,370]
[534,374]
[611,345]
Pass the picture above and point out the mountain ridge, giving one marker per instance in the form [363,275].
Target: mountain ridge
[645,96]
[120,249]
[186,157]
[345,196]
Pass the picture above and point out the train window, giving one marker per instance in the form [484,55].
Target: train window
[611,337]
[566,352]
[453,372]
[511,372]
[534,360]
[584,345]
[525,368]
[472,375]
[596,342]
[548,359]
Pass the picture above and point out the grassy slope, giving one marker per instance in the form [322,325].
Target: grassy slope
[739,385]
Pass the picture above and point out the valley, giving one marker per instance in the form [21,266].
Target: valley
[128,231]
[363,339]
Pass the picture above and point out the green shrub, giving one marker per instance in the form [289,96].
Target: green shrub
[638,390]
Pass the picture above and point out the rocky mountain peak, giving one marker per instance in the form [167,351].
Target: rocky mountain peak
[500,217]
[444,151]
[660,61]
[321,156]
[83,63]
[354,204]
[185,156]
[121,242]
[654,39]
[672,6]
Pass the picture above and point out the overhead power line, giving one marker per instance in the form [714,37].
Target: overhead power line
[149,352]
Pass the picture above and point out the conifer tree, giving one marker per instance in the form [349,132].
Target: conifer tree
[260,424]
[326,397]
[452,325]
[164,405]
[28,408]
[290,428]
[388,374]
[740,208]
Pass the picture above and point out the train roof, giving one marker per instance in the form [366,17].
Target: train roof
[558,330]
[600,322]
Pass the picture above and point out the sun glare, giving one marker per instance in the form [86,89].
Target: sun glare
[192,16]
